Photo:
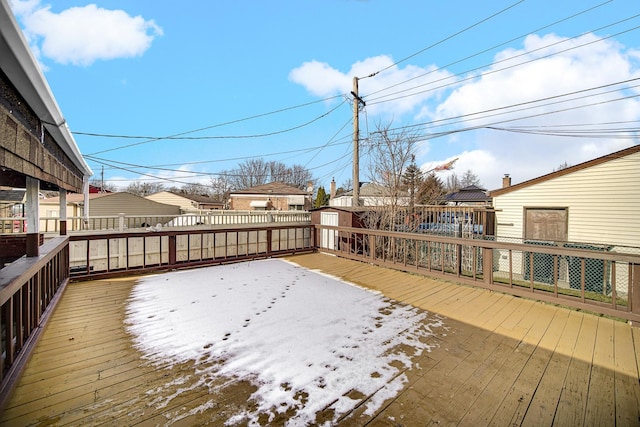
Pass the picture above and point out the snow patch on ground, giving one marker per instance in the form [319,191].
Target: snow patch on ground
[307,341]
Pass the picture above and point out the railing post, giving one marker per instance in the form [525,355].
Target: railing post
[634,296]
[487,265]
[269,240]
[172,249]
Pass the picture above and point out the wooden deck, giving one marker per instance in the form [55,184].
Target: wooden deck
[502,361]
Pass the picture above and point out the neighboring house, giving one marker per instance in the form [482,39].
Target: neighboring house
[272,196]
[471,195]
[596,202]
[186,202]
[107,204]
[370,195]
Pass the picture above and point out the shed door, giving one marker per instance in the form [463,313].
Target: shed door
[329,238]
[546,224]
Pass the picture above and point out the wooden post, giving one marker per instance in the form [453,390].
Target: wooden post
[33,223]
[487,265]
[63,212]
[634,283]
[356,143]
[172,249]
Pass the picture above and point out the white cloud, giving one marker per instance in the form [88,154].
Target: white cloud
[546,66]
[83,35]
[383,93]
[526,156]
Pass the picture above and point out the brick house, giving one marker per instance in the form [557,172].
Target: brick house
[272,196]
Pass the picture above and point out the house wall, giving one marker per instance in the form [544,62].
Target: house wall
[603,203]
[52,210]
[278,202]
[172,199]
[129,204]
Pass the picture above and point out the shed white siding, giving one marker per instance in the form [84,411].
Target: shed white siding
[603,203]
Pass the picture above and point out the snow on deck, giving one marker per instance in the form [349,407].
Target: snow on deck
[306,340]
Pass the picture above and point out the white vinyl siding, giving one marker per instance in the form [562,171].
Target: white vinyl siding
[168,198]
[603,203]
[129,204]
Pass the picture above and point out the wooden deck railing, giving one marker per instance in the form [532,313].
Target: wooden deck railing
[604,280]
[29,289]
[104,255]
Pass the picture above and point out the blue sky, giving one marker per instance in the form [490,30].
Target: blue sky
[272,80]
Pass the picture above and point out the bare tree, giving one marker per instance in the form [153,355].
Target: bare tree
[452,183]
[390,154]
[278,172]
[221,187]
[144,188]
[195,189]
[253,172]
[299,177]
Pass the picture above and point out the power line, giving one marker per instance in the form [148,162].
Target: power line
[492,47]
[447,38]
[154,139]
[463,117]
[491,125]
[457,82]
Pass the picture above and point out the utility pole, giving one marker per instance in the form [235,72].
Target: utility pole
[356,142]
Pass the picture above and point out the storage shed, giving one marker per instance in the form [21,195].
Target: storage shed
[336,216]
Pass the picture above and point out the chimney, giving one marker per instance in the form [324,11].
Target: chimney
[506,181]
[332,191]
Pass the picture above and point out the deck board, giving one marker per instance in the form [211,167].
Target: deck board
[502,361]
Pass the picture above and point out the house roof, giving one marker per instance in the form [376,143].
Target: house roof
[597,161]
[22,69]
[279,188]
[471,193]
[370,189]
[196,197]
[12,196]
[353,209]
[73,198]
